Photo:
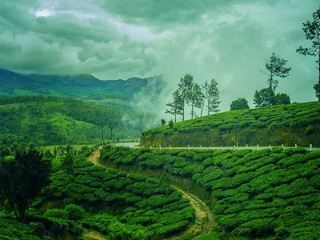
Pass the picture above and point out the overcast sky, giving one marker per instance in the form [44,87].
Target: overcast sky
[228,40]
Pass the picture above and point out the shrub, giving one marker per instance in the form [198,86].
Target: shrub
[309,130]
[75,212]
[56,213]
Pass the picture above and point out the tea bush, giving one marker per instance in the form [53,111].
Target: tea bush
[257,194]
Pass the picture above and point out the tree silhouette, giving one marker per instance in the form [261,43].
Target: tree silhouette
[185,88]
[276,68]
[211,95]
[22,178]
[176,106]
[312,32]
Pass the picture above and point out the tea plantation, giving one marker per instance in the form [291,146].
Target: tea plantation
[266,194]
[292,124]
[112,202]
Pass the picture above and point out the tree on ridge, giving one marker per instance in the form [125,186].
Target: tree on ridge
[312,33]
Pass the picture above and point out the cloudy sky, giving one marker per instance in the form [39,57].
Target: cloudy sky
[228,40]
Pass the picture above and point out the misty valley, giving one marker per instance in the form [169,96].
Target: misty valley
[62,175]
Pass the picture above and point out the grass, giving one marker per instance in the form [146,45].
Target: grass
[276,125]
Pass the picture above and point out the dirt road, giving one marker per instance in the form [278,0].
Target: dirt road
[204,221]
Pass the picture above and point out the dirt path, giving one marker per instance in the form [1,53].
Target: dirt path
[94,157]
[93,235]
[204,221]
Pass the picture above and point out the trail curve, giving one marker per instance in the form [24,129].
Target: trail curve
[204,221]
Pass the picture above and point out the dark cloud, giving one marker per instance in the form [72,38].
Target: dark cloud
[226,40]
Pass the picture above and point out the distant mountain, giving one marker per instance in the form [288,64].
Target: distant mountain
[77,86]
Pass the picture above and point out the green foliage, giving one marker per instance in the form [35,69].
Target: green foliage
[22,178]
[52,121]
[238,104]
[297,123]
[281,99]
[264,97]
[265,194]
[67,163]
[311,30]
[140,205]
[75,212]
[11,230]
[56,213]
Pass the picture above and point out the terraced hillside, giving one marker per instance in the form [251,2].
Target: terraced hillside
[266,194]
[84,200]
[285,124]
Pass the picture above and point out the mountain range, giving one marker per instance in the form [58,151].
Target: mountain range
[75,86]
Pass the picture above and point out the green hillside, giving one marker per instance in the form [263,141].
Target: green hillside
[83,86]
[50,121]
[113,203]
[285,124]
[266,194]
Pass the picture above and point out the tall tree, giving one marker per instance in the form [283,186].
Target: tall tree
[112,122]
[176,106]
[211,95]
[185,88]
[22,178]
[196,98]
[276,68]
[312,32]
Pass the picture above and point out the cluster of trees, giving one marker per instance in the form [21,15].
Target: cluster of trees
[190,93]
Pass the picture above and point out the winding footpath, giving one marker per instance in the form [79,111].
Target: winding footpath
[203,224]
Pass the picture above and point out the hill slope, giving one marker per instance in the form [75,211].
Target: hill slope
[49,120]
[78,86]
[285,124]
[265,194]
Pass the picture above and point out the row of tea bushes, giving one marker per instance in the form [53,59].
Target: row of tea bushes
[297,123]
[266,193]
[141,207]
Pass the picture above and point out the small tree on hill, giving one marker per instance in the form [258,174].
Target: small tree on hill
[312,32]
[264,97]
[22,178]
[176,106]
[238,104]
[281,99]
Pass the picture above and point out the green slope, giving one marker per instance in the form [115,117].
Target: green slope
[286,124]
[266,194]
[49,121]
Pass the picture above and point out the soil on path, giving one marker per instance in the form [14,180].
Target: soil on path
[203,224]
[204,219]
